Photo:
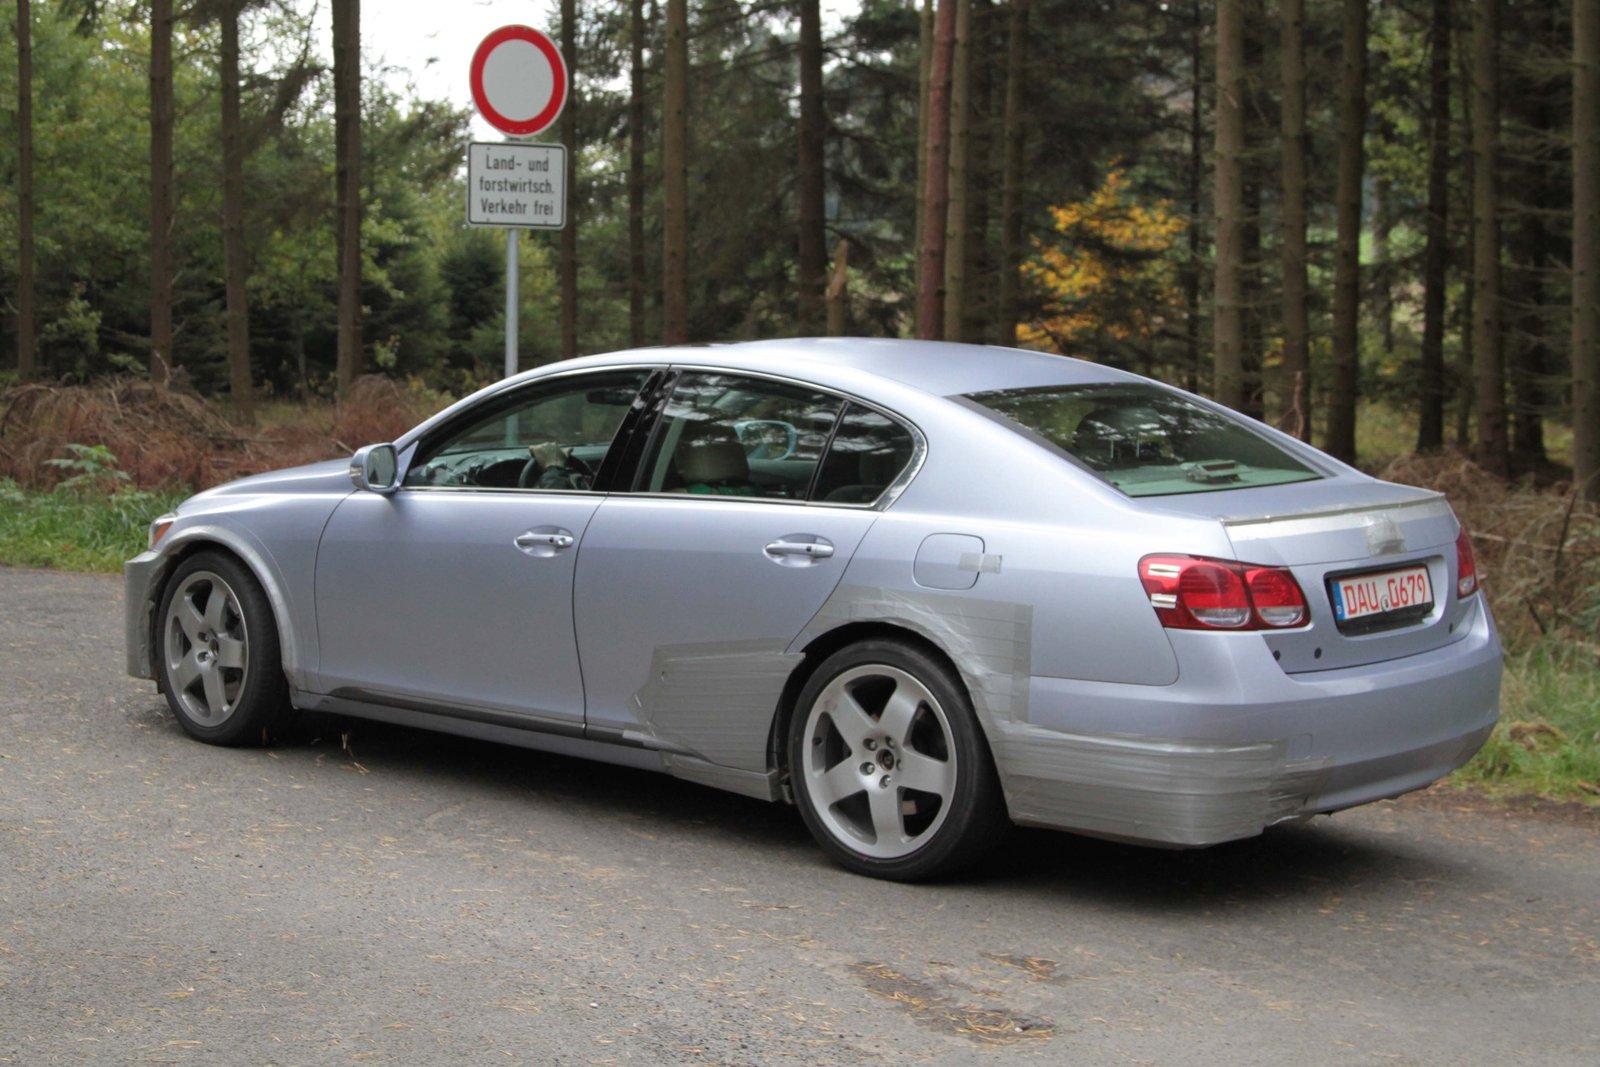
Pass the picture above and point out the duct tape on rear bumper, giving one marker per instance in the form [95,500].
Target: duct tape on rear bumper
[1151,790]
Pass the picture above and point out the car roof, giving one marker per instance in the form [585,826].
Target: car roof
[941,368]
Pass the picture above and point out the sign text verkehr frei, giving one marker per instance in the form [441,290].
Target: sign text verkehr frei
[510,184]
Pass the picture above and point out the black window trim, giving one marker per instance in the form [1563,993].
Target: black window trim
[891,492]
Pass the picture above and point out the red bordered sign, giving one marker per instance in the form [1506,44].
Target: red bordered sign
[519,80]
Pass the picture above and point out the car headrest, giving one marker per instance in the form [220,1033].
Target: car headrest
[710,452]
[1118,434]
[881,465]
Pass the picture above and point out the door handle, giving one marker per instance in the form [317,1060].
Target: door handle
[797,550]
[544,541]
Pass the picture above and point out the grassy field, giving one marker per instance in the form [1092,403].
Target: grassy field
[77,529]
[1548,740]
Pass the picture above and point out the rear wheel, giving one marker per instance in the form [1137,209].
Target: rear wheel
[220,665]
[889,767]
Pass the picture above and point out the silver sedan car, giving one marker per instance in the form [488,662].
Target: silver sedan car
[916,589]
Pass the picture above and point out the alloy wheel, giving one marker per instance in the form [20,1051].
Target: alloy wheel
[879,761]
[206,647]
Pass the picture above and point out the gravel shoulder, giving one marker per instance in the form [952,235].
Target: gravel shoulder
[421,897]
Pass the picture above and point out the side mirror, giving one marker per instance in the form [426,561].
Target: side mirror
[375,468]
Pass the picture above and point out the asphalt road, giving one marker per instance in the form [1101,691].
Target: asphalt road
[423,898]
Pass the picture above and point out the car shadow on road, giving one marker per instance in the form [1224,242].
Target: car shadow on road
[1307,861]
[1304,862]
[579,786]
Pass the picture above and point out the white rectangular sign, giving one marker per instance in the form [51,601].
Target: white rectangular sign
[521,185]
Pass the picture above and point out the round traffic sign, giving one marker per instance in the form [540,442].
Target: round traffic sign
[519,80]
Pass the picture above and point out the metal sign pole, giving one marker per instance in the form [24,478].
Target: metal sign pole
[519,83]
[511,301]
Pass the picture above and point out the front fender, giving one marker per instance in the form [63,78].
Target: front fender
[145,575]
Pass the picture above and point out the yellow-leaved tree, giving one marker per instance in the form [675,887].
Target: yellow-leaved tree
[1108,276]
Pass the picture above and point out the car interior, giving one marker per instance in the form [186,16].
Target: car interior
[719,435]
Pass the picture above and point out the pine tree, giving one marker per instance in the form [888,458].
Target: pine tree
[347,152]
[1341,436]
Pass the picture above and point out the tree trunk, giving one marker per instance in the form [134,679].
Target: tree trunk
[960,160]
[838,294]
[1341,434]
[1436,253]
[347,151]
[1296,326]
[983,155]
[675,178]
[26,316]
[1192,267]
[924,63]
[1537,251]
[931,244]
[571,136]
[636,155]
[978,276]
[161,190]
[1255,168]
[1014,133]
[235,265]
[1488,364]
[1382,267]
[1228,194]
[812,261]
[1465,317]
[1586,247]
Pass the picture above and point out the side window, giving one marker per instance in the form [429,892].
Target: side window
[724,435]
[868,453]
[550,436]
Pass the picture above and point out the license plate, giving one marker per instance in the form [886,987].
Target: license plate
[1372,596]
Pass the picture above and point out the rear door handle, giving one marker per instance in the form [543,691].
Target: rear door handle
[798,550]
[544,540]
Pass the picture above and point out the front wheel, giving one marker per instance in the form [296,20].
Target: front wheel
[889,766]
[220,666]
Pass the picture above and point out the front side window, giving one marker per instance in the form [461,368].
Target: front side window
[726,435]
[1145,440]
[553,435]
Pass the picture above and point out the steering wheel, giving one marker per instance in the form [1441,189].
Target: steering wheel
[532,469]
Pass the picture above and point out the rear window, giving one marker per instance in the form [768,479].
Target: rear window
[1145,440]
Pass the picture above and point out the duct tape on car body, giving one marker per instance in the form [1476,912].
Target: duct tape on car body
[716,699]
[1149,789]
[1152,790]
[990,641]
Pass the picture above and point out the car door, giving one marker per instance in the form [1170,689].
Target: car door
[692,585]
[454,593]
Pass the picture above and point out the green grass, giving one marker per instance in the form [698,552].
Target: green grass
[1547,743]
[1548,740]
[79,528]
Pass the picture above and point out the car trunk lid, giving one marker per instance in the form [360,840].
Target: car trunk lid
[1347,527]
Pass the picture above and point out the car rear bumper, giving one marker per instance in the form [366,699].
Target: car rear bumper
[1236,744]
[139,578]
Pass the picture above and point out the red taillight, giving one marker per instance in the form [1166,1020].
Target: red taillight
[1276,596]
[1466,566]
[1192,593]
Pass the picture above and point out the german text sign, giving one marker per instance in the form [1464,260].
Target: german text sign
[510,184]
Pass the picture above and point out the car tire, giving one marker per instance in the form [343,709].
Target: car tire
[218,660]
[865,744]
